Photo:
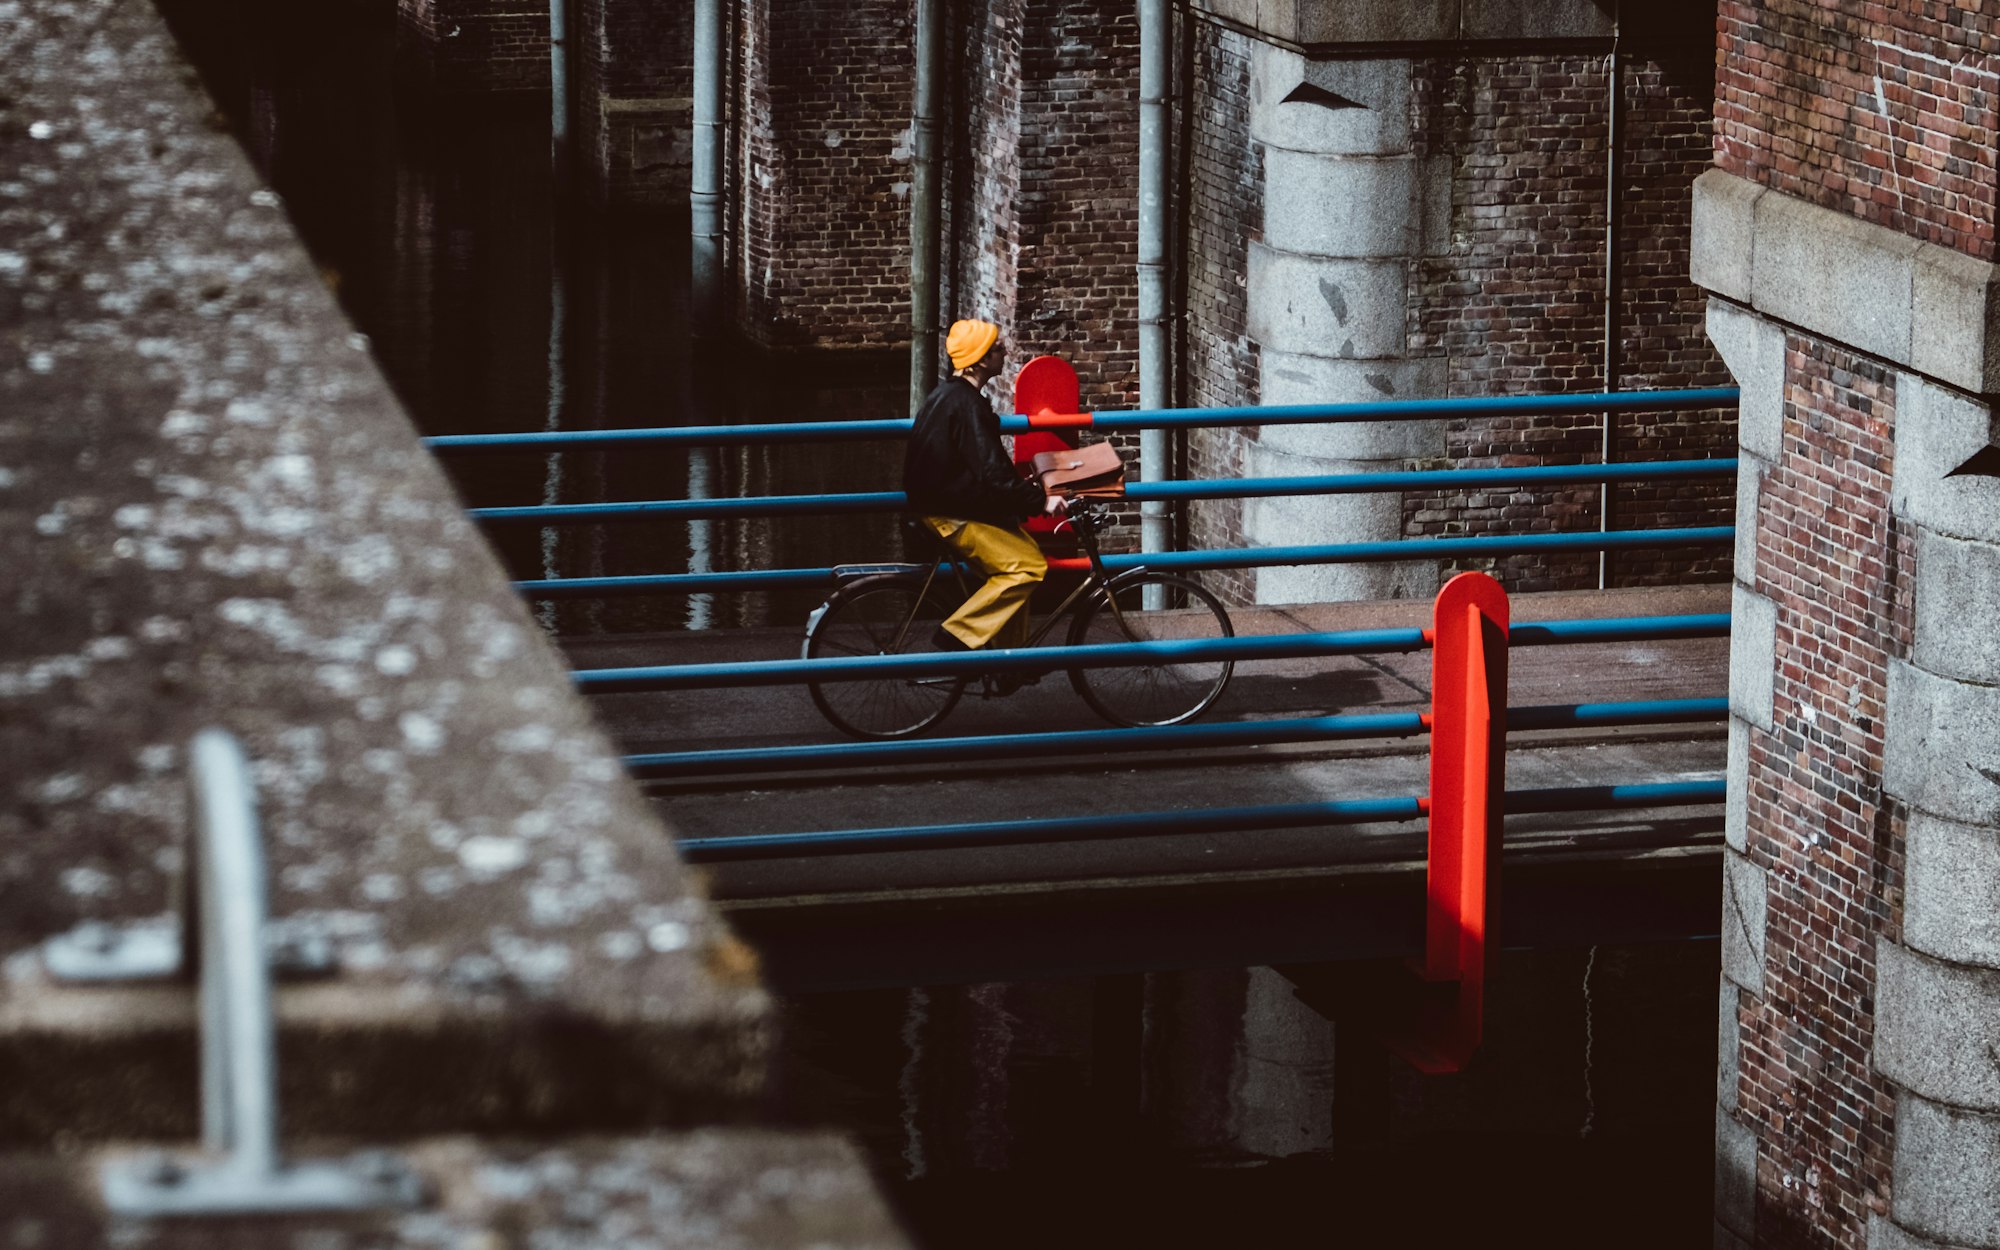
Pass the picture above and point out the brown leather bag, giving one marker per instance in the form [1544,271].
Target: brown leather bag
[1094,471]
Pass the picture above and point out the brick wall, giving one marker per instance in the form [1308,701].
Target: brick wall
[1515,303]
[632,62]
[1837,564]
[1872,110]
[824,150]
[480,45]
[1222,206]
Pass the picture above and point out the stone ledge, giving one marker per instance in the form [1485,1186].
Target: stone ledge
[1885,1234]
[709,1190]
[1861,285]
[1753,650]
[1938,429]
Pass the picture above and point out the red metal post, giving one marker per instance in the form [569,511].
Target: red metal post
[1468,778]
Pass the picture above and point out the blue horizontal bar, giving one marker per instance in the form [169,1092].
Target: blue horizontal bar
[1606,798]
[1140,492]
[1604,715]
[1619,629]
[1013,660]
[1139,419]
[676,435]
[1163,824]
[1239,558]
[1415,409]
[1057,829]
[1020,746]
[661,765]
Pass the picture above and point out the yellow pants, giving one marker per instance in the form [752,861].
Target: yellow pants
[998,610]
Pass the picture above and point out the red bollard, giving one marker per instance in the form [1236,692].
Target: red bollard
[1468,782]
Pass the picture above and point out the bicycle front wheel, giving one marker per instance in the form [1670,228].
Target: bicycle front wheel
[1152,694]
[882,616]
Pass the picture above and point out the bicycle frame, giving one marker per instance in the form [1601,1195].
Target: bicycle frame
[1084,521]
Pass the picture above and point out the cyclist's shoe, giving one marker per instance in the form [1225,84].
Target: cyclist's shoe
[943,639]
[1004,684]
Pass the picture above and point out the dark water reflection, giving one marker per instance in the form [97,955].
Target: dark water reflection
[493,308]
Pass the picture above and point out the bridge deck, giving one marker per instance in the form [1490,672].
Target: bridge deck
[1258,870]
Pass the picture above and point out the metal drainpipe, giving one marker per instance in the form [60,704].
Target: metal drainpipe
[559,90]
[1155,38]
[925,192]
[1612,293]
[705,184]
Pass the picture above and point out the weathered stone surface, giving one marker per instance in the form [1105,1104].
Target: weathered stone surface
[1951,899]
[1311,306]
[1955,310]
[1753,648]
[1327,519]
[1726,1240]
[1957,607]
[1376,121]
[1337,21]
[1754,349]
[1843,279]
[1942,748]
[1723,259]
[1537,19]
[1886,1234]
[1938,430]
[1735,1176]
[1745,900]
[1362,206]
[1937,1027]
[1735,806]
[213,512]
[1750,474]
[1728,1047]
[707,1190]
[1290,379]
[1946,1160]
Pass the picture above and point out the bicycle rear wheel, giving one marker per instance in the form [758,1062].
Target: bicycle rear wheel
[1154,694]
[882,616]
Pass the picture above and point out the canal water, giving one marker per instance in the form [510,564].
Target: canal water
[1220,1107]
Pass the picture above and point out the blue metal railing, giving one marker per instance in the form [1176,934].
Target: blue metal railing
[1485,545]
[1162,824]
[1139,419]
[1140,492]
[660,766]
[638,679]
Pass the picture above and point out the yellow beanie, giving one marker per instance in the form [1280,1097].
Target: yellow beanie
[968,341]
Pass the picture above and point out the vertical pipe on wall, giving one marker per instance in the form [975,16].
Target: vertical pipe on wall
[925,193]
[1155,36]
[559,91]
[1612,294]
[705,185]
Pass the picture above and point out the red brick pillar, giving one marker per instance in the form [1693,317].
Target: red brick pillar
[1846,239]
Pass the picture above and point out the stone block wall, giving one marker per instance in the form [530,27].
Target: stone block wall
[479,45]
[1858,1104]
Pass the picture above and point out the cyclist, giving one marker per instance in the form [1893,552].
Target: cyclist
[960,481]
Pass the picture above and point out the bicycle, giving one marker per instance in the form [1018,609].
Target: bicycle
[895,609]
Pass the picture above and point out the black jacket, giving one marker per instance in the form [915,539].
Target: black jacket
[955,465]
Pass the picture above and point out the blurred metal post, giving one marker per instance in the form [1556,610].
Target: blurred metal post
[926,192]
[705,186]
[1155,33]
